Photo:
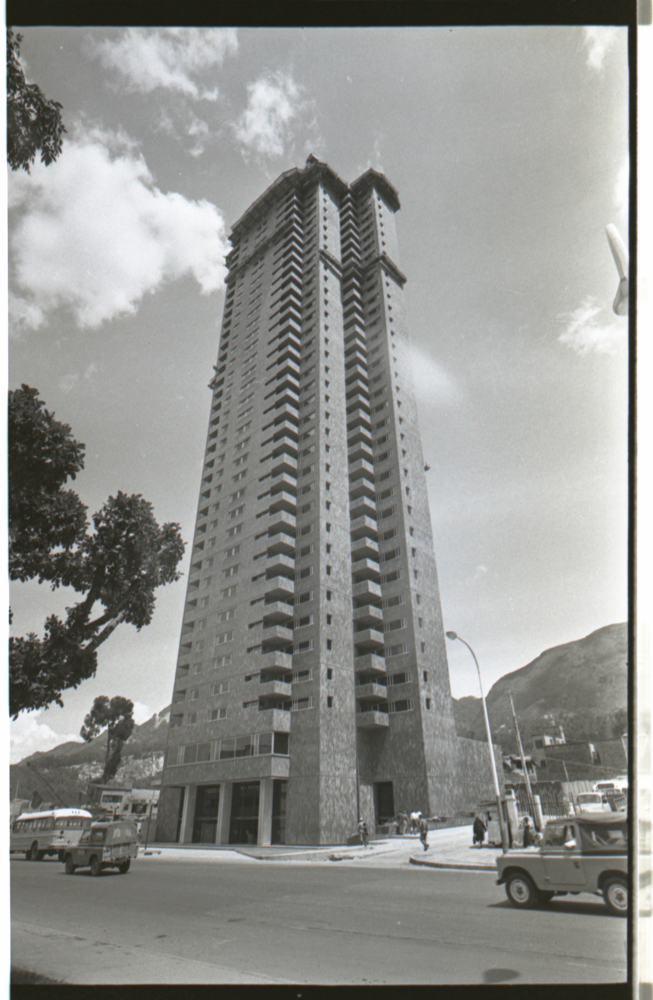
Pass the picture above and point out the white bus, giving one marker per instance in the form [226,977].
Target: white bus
[40,833]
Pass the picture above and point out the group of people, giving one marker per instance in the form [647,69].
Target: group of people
[415,824]
[479,829]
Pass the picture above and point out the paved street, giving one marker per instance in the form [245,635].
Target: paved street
[234,919]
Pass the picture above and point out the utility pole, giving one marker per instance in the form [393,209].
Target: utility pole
[523,758]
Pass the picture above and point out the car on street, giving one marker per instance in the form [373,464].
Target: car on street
[584,853]
[104,845]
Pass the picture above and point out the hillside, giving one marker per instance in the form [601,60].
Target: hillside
[69,767]
[581,684]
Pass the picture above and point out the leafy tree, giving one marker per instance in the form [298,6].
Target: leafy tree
[33,122]
[117,566]
[116,716]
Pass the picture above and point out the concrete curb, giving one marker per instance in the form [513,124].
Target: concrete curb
[464,866]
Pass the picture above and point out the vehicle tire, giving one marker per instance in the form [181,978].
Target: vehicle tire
[70,867]
[96,867]
[615,894]
[33,853]
[544,896]
[123,867]
[521,891]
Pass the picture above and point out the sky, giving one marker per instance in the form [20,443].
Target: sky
[509,149]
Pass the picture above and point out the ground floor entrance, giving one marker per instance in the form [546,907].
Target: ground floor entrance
[205,824]
[231,812]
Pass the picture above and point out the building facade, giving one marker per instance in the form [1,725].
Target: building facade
[312,682]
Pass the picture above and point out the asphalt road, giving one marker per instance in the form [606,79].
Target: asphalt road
[191,921]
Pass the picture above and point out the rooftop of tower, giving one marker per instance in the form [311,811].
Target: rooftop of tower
[313,166]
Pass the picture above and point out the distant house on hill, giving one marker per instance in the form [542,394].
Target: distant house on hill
[581,760]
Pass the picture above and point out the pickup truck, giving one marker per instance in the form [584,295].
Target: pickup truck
[103,845]
[584,853]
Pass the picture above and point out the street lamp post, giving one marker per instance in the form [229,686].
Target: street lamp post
[495,777]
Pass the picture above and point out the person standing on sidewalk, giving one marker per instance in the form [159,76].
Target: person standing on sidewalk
[479,831]
[423,829]
[362,830]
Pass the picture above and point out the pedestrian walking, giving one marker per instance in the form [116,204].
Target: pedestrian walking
[362,830]
[414,820]
[423,829]
[402,823]
[479,829]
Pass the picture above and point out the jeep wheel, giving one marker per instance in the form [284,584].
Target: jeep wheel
[521,890]
[33,853]
[615,894]
[70,867]
[96,867]
[123,867]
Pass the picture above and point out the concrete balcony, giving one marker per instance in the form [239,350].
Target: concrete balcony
[362,506]
[368,616]
[364,548]
[283,464]
[372,720]
[362,488]
[281,520]
[282,494]
[286,412]
[359,469]
[359,434]
[363,526]
[281,544]
[357,357]
[369,664]
[286,385]
[275,661]
[367,589]
[276,720]
[371,692]
[285,447]
[275,637]
[360,451]
[277,613]
[358,371]
[279,565]
[280,587]
[359,386]
[283,689]
[359,418]
[358,402]
[367,641]
[366,569]
[285,429]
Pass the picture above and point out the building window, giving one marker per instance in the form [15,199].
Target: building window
[329,701]
[217,713]
[329,673]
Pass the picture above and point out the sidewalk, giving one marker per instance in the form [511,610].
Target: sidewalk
[448,848]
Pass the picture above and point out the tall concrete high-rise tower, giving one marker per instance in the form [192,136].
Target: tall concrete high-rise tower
[312,683]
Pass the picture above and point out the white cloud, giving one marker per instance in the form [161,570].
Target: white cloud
[432,383]
[27,736]
[141,713]
[168,57]
[93,234]
[598,41]
[264,126]
[71,379]
[586,335]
